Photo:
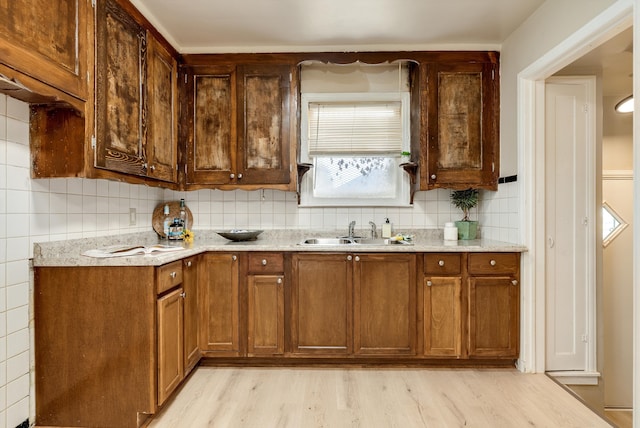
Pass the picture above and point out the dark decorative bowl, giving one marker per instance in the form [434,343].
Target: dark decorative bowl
[240,234]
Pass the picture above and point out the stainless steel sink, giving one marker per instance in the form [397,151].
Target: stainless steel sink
[380,241]
[352,241]
[328,241]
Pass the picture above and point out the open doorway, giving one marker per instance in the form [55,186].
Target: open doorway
[612,62]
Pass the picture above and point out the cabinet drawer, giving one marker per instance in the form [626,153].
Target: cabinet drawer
[494,263]
[266,263]
[442,264]
[169,276]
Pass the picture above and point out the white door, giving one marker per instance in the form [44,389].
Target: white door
[570,221]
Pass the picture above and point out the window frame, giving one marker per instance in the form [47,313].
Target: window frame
[403,186]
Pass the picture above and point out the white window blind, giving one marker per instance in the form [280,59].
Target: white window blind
[355,127]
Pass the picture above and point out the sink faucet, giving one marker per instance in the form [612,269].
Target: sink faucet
[374,230]
[352,226]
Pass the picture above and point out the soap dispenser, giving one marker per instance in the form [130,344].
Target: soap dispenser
[386,229]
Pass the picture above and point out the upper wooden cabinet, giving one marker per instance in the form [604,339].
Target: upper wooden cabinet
[462,144]
[48,40]
[136,97]
[238,125]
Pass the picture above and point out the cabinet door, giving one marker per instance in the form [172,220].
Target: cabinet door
[462,126]
[170,357]
[120,109]
[493,317]
[211,123]
[48,40]
[321,299]
[385,304]
[161,119]
[190,286]
[442,317]
[265,319]
[263,120]
[219,304]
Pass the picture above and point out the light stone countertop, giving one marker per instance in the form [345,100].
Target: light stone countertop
[69,253]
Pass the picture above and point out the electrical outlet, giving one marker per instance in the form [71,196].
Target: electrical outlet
[132,216]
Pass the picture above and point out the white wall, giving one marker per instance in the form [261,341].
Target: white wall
[549,25]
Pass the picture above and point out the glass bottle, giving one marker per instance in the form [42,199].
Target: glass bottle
[166,222]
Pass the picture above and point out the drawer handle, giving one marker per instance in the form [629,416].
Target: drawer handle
[232,176]
[492,262]
[349,258]
[173,274]
[441,263]
[239,176]
[188,264]
[433,176]
[279,281]
[357,258]
[234,257]
[429,283]
[264,262]
[514,282]
[183,294]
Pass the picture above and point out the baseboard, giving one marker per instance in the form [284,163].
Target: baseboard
[576,377]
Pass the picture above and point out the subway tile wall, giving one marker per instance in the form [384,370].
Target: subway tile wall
[269,209]
[59,209]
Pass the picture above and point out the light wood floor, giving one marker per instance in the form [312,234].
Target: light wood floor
[371,398]
[620,418]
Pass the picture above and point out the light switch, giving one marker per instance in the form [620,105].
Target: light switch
[132,216]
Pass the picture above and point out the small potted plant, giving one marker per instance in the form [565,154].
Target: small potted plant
[465,200]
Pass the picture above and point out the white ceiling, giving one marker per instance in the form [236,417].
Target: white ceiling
[220,26]
[614,60]
[215,26]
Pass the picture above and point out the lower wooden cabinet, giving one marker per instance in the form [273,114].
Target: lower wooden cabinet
[345,304]
[494,302]
[493,317]
[265,315]
[191,324]
[219,300]
[177,310]
[127,336]
[321,305]
[170,343]
[384,304]
[265,304]
[442,316]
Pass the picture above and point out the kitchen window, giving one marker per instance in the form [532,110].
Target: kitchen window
[355,142]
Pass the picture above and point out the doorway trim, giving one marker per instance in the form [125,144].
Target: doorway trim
[531,109]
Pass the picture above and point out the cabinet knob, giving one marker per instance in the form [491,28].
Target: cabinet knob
[144,165]
[433,176]
[492,262]
[441,263]
[349,258]
[152,167]
[234,257]
[172,274]
[429,283]
[279,281]
[239,176]
[514,282]
[232,176]
[264,262]
[357,258]
[183,294]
